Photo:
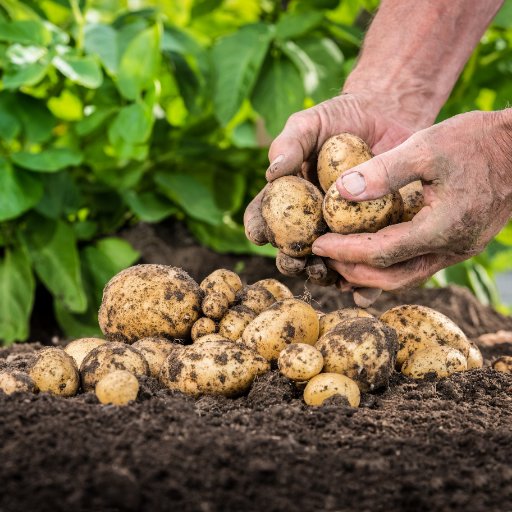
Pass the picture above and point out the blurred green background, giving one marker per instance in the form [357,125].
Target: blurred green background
[112,112]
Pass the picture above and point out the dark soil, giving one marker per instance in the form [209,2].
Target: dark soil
[420,445]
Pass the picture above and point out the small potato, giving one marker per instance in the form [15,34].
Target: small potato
[475,358]
[412,197]
[287,321]
[503,364]
[420,327]
[202,327]
[79,348]
[222,280]
[212,367]
[55,371]
[292,209]
[290,266]
[109,357]
[300,362]
[155,351]
[276,288]
[324,385]
[256,298]
[332,319]
[117,388]
[363,349]
[149,300]
[437,360]
[16,382]
[215,305]
[235,321]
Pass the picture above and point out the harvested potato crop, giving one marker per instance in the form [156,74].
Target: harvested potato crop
[256,298]
[363,349]
[475,358]
[503,364]
[149,300]
[331,320]
[412,198]
[339,154]
[279,290]
[220,289]
[55,371]
[292,209]
[109,357]
[16,382]
[117,388]
[324,385]
[235,321]
[79,348]
[420,327]
[155,351]
[210,337]
[213,367]
[300,362]
[202,327]
[287,321]
[438,360]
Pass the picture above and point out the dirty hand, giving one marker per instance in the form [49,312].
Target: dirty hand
[465,165]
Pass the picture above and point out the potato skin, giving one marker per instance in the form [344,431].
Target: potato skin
[235,321]
[475,358]
[279,290]
[300,362]
[331,320]
[155,351]
[117,388]
[215,305]
[437,360]
[80,347]
[413,201]
[213,367]
[203,326]
[324,385]
[256,298]
[149,300]
[16,382]
[222,280]
[109,357]
[503,364]
[292,209]
[287,321]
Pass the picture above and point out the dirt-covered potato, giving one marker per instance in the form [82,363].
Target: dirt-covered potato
[475,357]
[215,305]
[437,360]
[235,321]
[419,327]
[210,337]
[412,198]
[202,327]
[109,357]
[348,217]
[324,385]
[55,371]
[256,298]
[16,382]
[300,362]
[292,209]
[220,289]
[363,349]
[118,388]
[331,320]
[213,367]
[287,321]
[503,364]
[149,300]
[79,348]
[155,351]
[339,154]
[279,290]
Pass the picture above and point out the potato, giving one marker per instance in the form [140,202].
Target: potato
[503,364]
[300,362]
[290,266]
[118,388]
[55,371]
[203,326]
[412,198]
[155,351]
[16,382]
[475,358]
[215,305]
[363,349]
[109,357]
[79,348]
[256,298]
[292,209]
[332,319]
[287,321]
[149,301]
[210,337]
[324,385]
[220,289]
[338,154]
[212,367]
[348,217]
[235,321]
[276,288]
[437,360]
[419,327]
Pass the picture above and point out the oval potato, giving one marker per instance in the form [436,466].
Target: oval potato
[155,351]
[16,382]
[79,348]
[279,290]
[117,388]
[324,385]
[437,360]
[503,364]
[300,362]
[223,281]
[202,327]
[256,298]
[331,320]
[235,321]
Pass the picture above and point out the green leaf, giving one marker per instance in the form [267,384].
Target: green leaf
[504,17]
[25,32]
[48,160]
[505,235]
[80,70]
[17,287]
[61,195]
[84,325]
[101,40]
[36,119]
[237,60]
[133,124]
[10,126]
[149,206]
[93,121]
[67,106]
[292,25]
[29,75]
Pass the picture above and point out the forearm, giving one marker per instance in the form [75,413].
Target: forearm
[414,52]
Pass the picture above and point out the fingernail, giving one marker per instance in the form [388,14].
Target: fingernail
[275,163]
[318,250]
[354,183]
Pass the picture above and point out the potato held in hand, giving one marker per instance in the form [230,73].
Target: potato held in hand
[412,197]
[438,361]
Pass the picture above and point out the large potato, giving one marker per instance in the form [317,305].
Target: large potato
[118,388]
[287,321]
[16,382]
[79,348]
[256,298]
[155,351]
[324,385]
[292,209]
[331,320]
[419,327]
[412,197]
[279,290]
[300,362]
[213,367]
[235,321]
[108,358]
[363,349]
[149,300]
[439,361]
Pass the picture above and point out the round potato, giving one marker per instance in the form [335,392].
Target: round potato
[79,348]
[55,371]
[300,362]
[363,349]
[202,327]
[155,351]
[149,301]
[324,385]
[287,321]
[475,357]
[412,198]
[331,320]
[503,364]
[235,321]
[16,382]
[292,209]
[118,388]
[339,154]
[419,327]
[213,367]
[109,357]
[437,360]
[256,298]
[276,288]
[215,305]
